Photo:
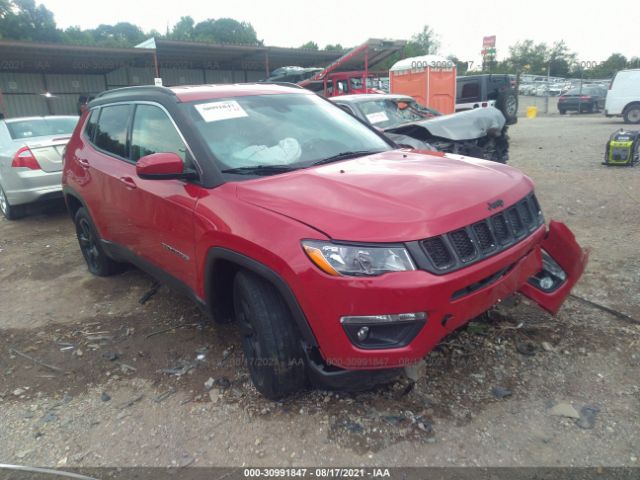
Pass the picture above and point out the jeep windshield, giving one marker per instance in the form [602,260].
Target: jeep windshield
[271,134]
[389,113]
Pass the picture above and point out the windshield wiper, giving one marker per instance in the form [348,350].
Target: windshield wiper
[260,169]
[346,155]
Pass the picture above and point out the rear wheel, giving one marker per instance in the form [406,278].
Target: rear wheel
[562,111]
[632,114]
[97,260]
[507,103]
[270,340]
[10,212]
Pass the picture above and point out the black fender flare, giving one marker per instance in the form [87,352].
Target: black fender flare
[221,253]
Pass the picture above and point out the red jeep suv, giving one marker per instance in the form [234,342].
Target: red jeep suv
[341,257]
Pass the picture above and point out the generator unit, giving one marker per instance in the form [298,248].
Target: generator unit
[623,148]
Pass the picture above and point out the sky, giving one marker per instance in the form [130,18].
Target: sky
[593,31]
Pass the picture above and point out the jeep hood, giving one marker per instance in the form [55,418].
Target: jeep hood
[392,196]
[467,125]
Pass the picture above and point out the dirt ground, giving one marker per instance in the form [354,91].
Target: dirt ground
[116,386]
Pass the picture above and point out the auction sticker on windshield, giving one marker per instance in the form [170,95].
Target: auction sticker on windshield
[215,111]
[377,117]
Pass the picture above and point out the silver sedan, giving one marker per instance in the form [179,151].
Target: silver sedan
[31,160]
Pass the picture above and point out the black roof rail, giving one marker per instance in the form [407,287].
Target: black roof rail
[137,89]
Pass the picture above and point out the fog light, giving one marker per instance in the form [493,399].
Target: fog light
[546,283]
[378,319]
[383,331]
[551,277]
[363,333]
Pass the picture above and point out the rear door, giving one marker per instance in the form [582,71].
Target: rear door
[107,164]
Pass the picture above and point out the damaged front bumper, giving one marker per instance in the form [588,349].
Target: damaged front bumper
[549,287]
[517,269]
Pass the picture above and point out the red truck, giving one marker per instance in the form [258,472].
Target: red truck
[341,256]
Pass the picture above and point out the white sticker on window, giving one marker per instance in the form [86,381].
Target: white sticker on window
[214,111]
[377,117]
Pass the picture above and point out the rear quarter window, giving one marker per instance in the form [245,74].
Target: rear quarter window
[92,123]
[470,90]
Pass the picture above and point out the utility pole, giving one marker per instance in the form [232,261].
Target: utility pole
[546,94]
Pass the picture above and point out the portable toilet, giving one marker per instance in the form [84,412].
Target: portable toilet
[429,79]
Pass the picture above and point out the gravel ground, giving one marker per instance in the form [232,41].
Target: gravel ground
[117,390]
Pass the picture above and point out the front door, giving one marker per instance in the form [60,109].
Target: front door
[161,210]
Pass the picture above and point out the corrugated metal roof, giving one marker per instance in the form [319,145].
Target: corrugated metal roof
[140,76]
[21,82]
[76,83]
[24,105]
[174,76]
[218,76]
[64,104]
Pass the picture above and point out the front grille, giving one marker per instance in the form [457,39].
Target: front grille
[463,244]
[515,221]
[482,239]
[501,228]
[525,213]
[484,236]
[438,252]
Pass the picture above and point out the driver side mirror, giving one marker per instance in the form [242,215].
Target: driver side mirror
[163,166]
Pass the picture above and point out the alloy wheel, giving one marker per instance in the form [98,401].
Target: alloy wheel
[88,244]
[4,204]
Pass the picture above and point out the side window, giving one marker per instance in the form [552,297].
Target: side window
[153,132]
[471,90]
[92,123]
[111,134]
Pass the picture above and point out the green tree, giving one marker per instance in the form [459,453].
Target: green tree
[310,46]
[461,67]
[23,20]
[528,57]
[122,34]
[560,59]
[225,30]
[5,6]
[333,48]
[425,42]
[77,36]
[183,30]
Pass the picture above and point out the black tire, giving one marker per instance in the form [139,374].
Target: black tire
[562,111]
[507,103]
[10,212]
[632,114]
[97,260]
[270,340]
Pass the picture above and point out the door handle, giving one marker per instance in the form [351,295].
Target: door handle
[83,162]
[128,181]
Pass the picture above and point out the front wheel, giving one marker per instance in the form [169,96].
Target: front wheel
[97,260]
[270,340]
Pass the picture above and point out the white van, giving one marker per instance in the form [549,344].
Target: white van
[624,96]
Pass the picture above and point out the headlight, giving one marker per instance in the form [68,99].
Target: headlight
[357,260]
